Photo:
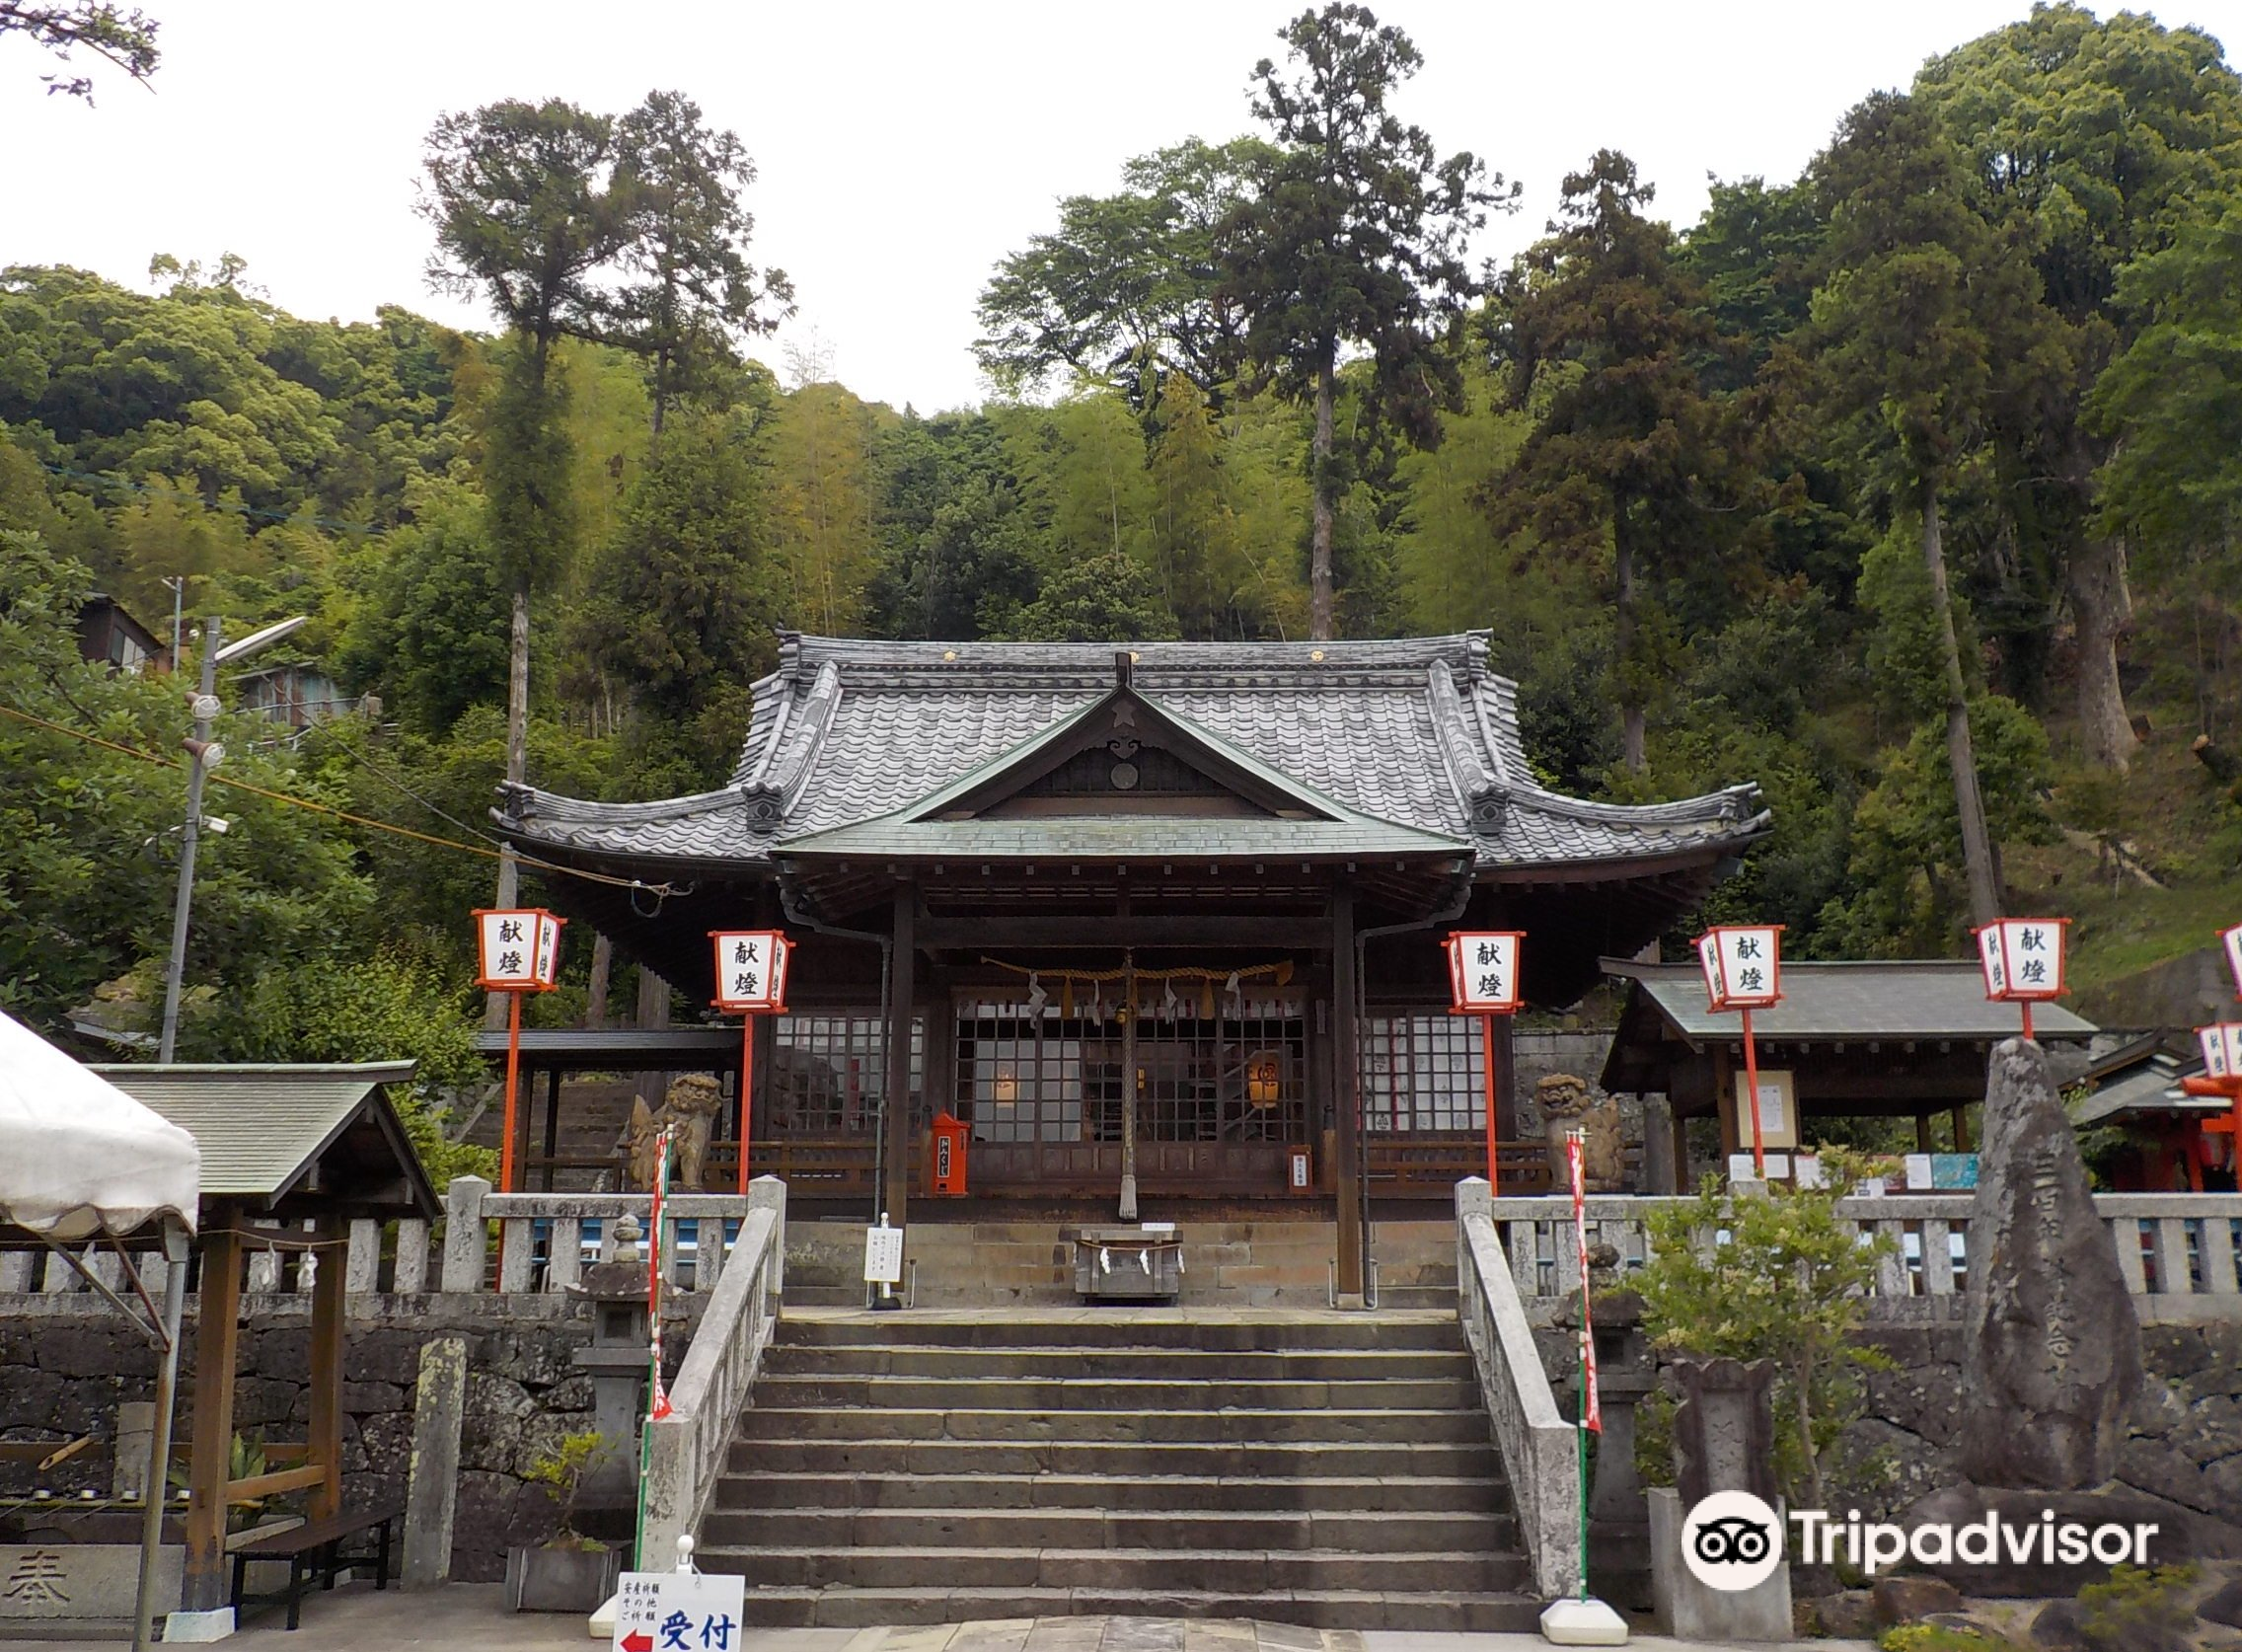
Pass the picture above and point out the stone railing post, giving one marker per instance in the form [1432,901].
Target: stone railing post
[464,1240]
[770,1193]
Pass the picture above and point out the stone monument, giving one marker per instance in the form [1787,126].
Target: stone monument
[1724,1437]
[2052,1358]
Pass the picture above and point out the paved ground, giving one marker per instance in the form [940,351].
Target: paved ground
[466,1617]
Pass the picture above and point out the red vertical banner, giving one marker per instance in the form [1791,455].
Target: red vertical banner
[1591,1406]
[657,1398]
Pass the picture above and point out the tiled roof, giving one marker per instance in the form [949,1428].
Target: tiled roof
[262,1127]
[1413,732]
[1929,997]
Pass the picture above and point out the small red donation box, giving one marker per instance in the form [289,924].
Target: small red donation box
[948,1141]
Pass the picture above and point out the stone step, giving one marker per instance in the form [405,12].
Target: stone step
[1240,1570]
[1259,1458]
[1357,1531]
[1427,1493]
[1381,1425]
[1107,1393]
[1131,1327]
[1487,1612]
[910,1359]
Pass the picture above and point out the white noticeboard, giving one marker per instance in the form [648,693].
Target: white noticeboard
[679,1612]
[883,1256]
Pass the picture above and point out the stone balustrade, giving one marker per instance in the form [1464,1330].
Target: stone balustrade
[2180,1252]
[514,1243]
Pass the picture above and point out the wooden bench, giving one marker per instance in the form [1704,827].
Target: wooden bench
[316,1549]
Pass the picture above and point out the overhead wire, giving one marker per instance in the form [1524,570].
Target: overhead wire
[634,884]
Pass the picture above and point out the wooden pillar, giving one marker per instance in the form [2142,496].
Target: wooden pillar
[1724,1102]
[1922,1133]
[552,1123]
[326,1433]
[937,1076]
[1132,1096]
[1346,1089]
[218,1309]
[1680,1153]
[902,994]
[1961,1129]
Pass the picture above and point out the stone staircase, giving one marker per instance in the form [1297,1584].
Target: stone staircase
[1328,1469]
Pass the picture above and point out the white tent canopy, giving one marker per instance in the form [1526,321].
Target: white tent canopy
[80,1157]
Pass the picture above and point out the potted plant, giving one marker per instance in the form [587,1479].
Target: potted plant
[569,1571]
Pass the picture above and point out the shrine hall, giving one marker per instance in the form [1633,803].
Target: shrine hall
[1128,913]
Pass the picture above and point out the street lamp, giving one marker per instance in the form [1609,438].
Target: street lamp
[202,755]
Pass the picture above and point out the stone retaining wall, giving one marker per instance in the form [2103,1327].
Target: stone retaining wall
[66,1367]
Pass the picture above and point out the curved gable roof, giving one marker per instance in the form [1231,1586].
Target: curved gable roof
[1412,732]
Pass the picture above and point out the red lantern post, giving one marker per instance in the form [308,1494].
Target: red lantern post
[2222,1063]
[2023,962]
[1743,965]
[520,952]
[1483,974]
[751,981]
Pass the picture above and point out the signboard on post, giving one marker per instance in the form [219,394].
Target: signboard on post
[883,1256]
[679,1612]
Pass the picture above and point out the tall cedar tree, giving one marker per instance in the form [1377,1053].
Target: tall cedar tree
[1354,238]
[2099,140]
[525,215]
[688,233]
[1925,311]
[1125,288]
[1603,336]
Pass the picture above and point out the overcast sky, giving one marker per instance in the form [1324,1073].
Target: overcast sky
[903,148]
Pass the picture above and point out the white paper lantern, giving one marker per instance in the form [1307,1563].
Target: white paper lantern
[2023,958]
[2223,1049]
[1482,972]
[751,970]
[520,949]
[1743,965]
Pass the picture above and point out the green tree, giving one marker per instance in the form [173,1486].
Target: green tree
[431,635]
[1602,336]
[2097,140]
[1196,552]
[2174,481]
[688,236]
[822,504]
[1908,853]
[682,602]
[527,217]
[1788,1282]
[1125,290]
[1924,307]
[1354,238]
[125,38]
[1104,598]
[89,835]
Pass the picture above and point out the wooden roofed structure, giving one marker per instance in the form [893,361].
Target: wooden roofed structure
[1870,1039]
[1027,880]
[291,1154]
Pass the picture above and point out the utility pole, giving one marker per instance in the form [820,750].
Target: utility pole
[202,755]
[198,749]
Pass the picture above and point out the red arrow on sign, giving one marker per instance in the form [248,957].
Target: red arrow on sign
[639,1642]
